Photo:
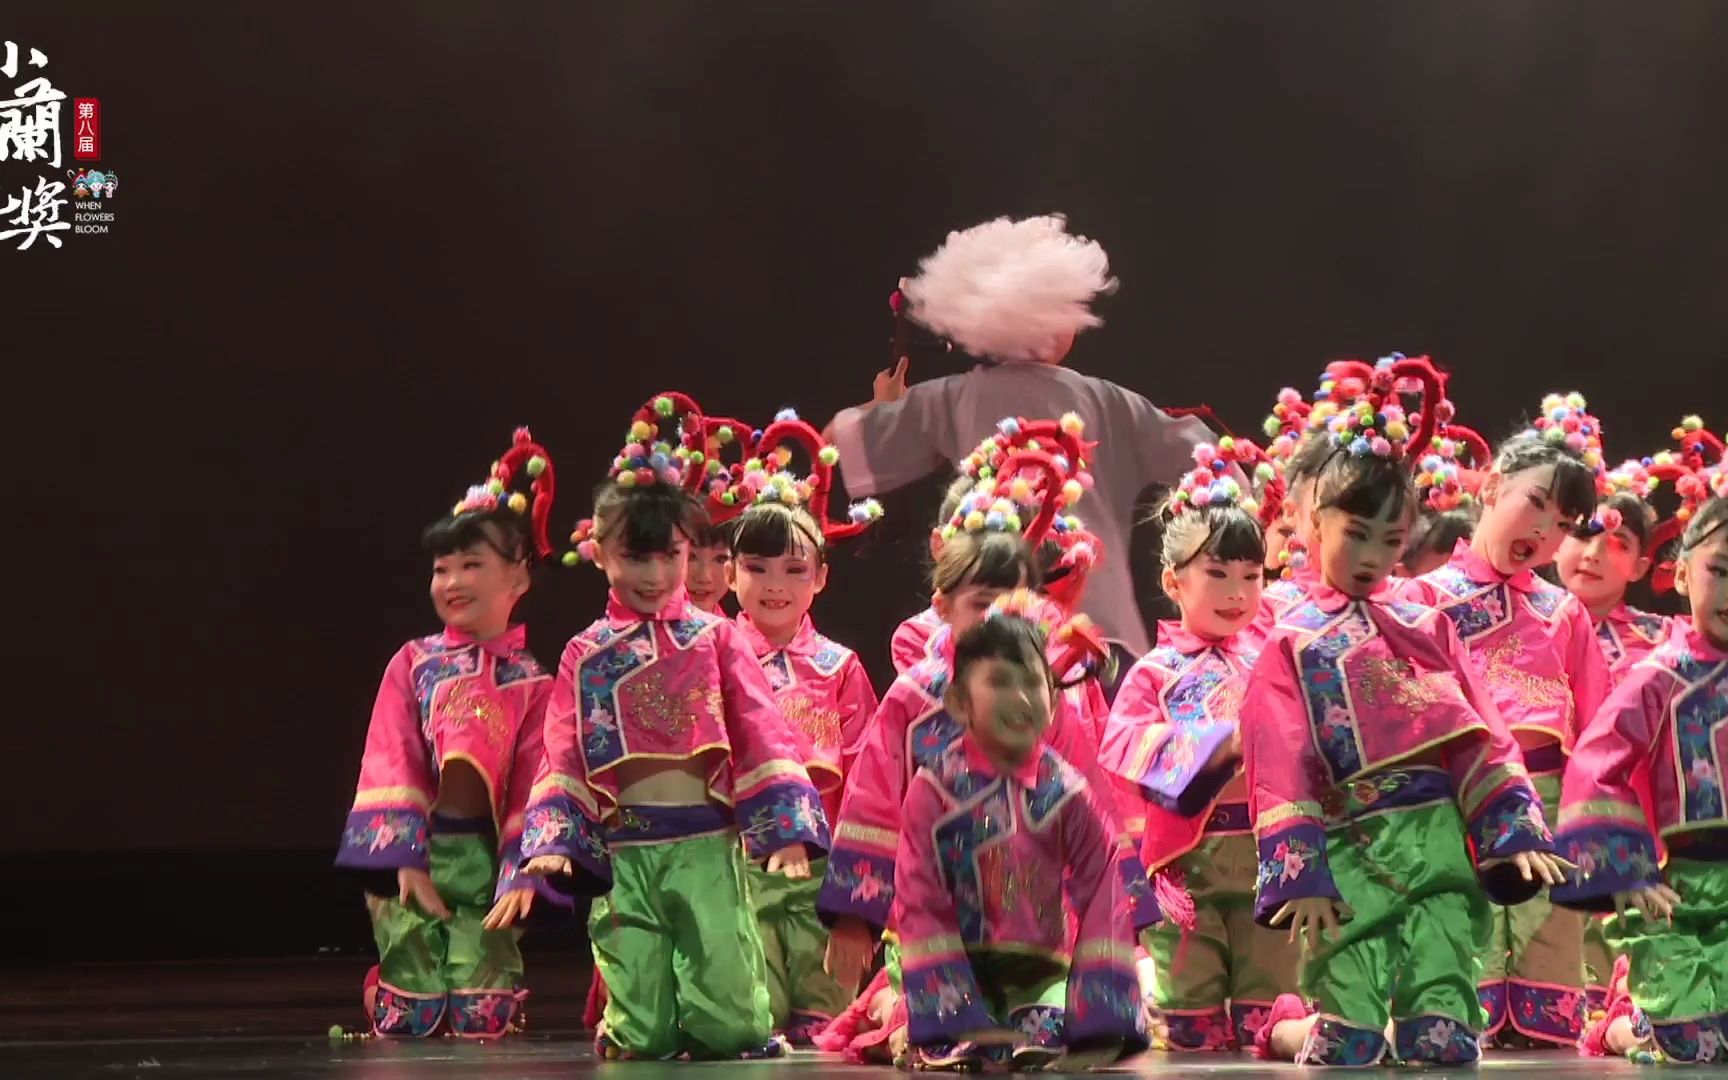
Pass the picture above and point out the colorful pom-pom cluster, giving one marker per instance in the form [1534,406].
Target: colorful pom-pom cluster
[496,490]
[647,460]
[1068,639]
[768,478]
[1004,503]
[1358,407]
[1343,387]
[1284,427]
[1698,487]
[1370,427]
[525,456]
[1634,477]
[1209,484]
[1440,478]
[1564,421]
[584,548]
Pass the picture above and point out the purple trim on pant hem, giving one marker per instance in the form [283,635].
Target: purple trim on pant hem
[1685,1040]
[482,1014]
[401,1014]
[1341,1044]
[1493,998]
[1551,1013]
[1442,1040]
[1199,1030]
[1247,1018]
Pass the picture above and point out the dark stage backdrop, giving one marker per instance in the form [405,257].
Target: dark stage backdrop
[357,244]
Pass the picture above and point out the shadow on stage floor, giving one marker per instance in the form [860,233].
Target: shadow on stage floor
[270,1020]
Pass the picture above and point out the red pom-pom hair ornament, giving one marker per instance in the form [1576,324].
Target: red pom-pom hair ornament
[1698,446]
[1264,475]
[1444,478]
[1695,487]
[1472,450]
[1072,643]
[1284,427]
[1630,477]
[1211,484]
[718,486]
[525,457]
[1360,406]
[649,458]
[768,477]
[1064,439]
[1027,477]
[1565,421]
[1023,495]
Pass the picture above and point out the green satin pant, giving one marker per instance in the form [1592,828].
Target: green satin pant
[677,943]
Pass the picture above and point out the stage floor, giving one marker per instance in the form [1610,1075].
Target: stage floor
[270,1021]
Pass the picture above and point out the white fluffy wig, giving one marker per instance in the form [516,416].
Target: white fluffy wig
[1011,290]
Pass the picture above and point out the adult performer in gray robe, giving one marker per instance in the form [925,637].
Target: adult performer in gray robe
[1015,294]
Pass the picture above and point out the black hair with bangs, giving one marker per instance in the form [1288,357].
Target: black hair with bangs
[1364,485]
[649,519]
[770,530]
[1704,524]
[1227,533]
[1573,485]
[501,529]
[1008,638]
[988,559]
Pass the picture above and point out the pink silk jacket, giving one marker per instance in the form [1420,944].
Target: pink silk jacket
[1531,642]
[985,862]
[1177,706]
[911,640]
[1664,730]
[677,685]
[1357,698]
[1627,636]
[445,698]
[822,690]
[910,729]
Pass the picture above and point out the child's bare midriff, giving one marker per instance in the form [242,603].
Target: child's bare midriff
[461,791]
[657,782]
[1532,739]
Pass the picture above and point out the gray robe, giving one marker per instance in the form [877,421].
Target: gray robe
[883,447]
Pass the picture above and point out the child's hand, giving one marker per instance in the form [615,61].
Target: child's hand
[890,385]
[1653,901]
[1552,869]
[849,949]
[1313,917]
[513,905]
[415,887]
[547,865]
[791,860]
